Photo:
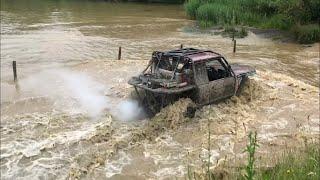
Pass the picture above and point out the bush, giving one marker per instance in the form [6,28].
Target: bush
[301,11]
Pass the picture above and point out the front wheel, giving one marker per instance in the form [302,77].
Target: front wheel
[151,104]
[244,81]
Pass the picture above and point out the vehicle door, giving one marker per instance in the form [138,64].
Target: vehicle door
[229,79]
[221,81]
[202,82]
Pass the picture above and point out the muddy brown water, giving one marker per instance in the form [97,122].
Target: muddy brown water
[47,127]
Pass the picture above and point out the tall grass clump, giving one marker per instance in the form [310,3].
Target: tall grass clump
[214,13]
[191,7]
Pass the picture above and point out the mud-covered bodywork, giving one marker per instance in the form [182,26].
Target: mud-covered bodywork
[204,76]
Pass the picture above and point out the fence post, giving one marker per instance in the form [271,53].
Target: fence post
[119,53]
[181,46]
[14,68]
[234,45]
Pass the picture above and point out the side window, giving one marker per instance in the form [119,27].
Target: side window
[215,70]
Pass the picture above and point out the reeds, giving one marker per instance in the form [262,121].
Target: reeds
[191,7]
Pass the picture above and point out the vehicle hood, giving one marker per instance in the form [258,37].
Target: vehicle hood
[240,69]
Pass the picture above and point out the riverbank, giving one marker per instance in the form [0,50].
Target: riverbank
[300,18]
[242,32]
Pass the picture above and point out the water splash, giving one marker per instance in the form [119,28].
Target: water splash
[76,92]
[128,110]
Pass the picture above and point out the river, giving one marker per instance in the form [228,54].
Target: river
[59,125]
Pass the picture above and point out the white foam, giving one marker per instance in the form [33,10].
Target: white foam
[115,167]
[169,172]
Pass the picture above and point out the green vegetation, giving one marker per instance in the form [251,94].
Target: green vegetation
[234,32]
[301,17]
[306,33]
[191,8]
[153,1]
[297,164]
[251,150]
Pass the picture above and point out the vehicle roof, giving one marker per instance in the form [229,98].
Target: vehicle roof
[194,55]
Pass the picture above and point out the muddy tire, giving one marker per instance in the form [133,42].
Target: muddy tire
[151,106]
[244,82]
[190,111]
[154,102]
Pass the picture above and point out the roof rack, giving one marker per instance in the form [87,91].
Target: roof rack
[187,52]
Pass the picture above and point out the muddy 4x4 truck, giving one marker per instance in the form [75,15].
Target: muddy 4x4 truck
[204,76]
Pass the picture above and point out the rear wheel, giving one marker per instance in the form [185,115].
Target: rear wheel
[154,102]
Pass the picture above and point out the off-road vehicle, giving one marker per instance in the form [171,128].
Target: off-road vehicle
[202,75]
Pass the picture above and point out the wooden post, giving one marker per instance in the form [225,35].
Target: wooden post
[119,53]
[14,68]
[234,45]
[181,46]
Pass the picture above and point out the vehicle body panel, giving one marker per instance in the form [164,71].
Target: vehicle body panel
[204,76]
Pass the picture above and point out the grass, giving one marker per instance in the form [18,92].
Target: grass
[306,33]
[191,7]
[274,14]
[251,150]
[216,13]
[297,164]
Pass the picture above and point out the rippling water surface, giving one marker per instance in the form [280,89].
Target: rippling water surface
[41,34]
